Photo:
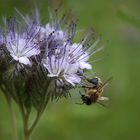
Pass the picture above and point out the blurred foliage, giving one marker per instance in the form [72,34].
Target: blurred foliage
[129,18]
[64,120]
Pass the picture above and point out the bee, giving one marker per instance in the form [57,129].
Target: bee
[93,94]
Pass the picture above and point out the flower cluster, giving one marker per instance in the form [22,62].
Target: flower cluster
[41,62]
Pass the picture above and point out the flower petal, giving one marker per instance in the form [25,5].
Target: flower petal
[85,65]
[25,61]
[31,52]
[72,68]
[73,79]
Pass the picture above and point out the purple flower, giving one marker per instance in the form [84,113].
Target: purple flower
[21,45]
[64,61]
[50,50]
[78,55]
[60,68]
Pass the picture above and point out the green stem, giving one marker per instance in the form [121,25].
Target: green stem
[26,131]
[44,102]
[27,136]
[34,123]
[38,116]
[29,130]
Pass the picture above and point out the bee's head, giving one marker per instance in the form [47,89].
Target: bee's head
[94,81]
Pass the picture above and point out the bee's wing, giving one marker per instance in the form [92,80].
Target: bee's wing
[103,99]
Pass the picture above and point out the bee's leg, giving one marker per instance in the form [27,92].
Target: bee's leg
[86,86]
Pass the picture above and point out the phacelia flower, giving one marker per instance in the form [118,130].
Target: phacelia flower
[58,66]
[21,45]
[64,61]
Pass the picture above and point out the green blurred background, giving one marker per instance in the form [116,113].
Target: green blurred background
[119,22]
